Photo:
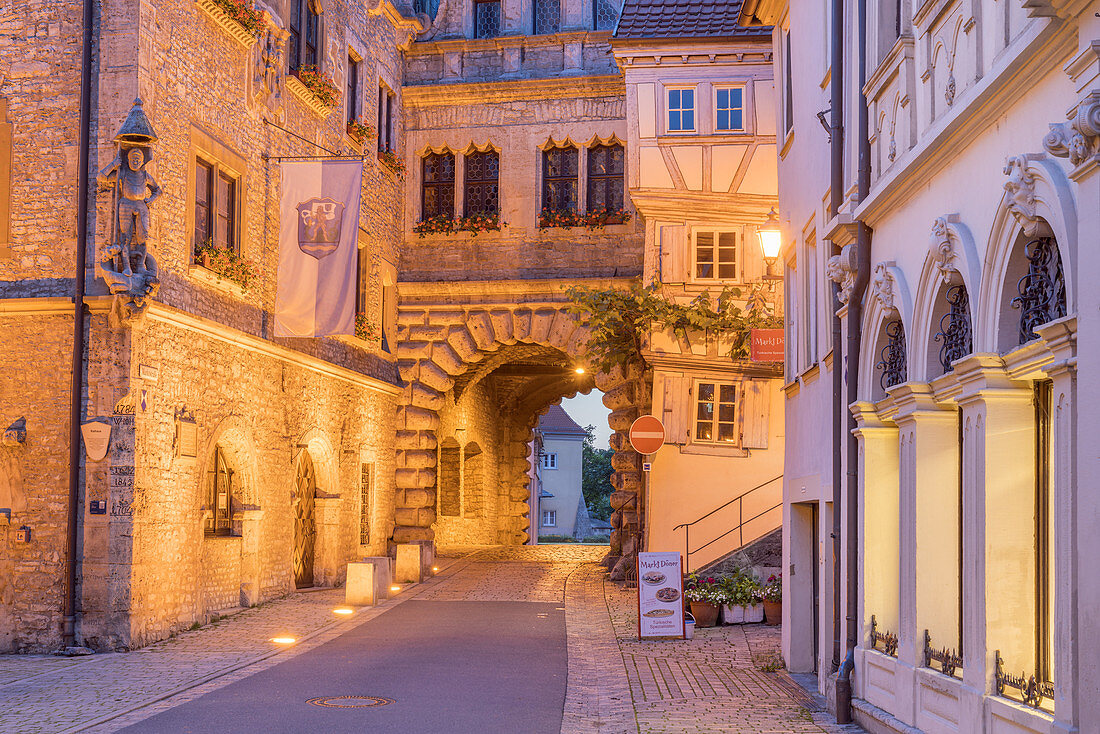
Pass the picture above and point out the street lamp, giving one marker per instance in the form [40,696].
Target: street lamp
[771,241]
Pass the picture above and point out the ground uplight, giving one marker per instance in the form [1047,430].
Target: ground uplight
[343,610]
[284,640]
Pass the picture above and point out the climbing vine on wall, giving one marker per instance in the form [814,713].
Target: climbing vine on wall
[621,319]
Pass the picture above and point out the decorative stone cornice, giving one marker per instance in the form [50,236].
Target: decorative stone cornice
[1021,190]
[449,94]
[884,287]
[1077,139]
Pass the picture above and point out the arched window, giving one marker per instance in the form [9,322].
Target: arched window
[473,481]
[559,179]
[438,187]
[219,496]
[450,478]
[606,165]
[954,335]
[1041,292]
[892,355]
[482,183]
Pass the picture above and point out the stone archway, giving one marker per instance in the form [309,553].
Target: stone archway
[442,349]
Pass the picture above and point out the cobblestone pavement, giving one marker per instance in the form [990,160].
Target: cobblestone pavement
[616,684]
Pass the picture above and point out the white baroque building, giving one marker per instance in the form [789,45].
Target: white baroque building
[955,224]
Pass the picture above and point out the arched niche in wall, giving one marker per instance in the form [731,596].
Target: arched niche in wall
[473,481]
[450,478]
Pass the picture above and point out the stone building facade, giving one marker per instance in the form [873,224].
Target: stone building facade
[240,464]
[957,263]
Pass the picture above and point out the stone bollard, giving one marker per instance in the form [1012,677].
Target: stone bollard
[410,563]
[368,581]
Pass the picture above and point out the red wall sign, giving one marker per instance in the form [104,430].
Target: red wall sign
[647,434]
[766,345]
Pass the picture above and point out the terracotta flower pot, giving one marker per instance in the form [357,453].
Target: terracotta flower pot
[706,614]
[773,612]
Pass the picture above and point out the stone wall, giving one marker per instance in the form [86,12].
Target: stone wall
[33,476]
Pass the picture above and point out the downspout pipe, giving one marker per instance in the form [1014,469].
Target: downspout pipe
[77,387]
[855,316]
[836,198]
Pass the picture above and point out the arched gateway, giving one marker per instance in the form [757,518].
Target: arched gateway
[479,371]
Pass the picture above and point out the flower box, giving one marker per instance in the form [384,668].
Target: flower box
[451,225]
[392,163]
[236,17]
[226,264]
[359,131]
[315,89]
[742,613]
[593,220]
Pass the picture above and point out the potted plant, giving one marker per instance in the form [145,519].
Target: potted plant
[705,597]
[743,593]
[773,599]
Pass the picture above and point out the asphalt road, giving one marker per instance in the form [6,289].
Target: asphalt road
[448,666]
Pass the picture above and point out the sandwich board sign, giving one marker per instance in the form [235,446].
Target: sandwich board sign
[660,595]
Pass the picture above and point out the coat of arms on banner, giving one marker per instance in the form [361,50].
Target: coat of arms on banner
[319,223]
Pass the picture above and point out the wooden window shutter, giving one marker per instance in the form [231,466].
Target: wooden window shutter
[755,413]
[674,254]
[752,259]
[677,408]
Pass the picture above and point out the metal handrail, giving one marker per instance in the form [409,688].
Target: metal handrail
[741,521]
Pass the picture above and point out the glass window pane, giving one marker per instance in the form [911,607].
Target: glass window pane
[704,432]
[706,391]
[727,272]
[735,120]
[726,432]
[674,99]
[723,120]
[726,412]
[687,120]
[735,98]
[687,97]
[723,99]
[727,393]
[727,239]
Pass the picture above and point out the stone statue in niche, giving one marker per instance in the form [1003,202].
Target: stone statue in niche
[128,268]
[268,68]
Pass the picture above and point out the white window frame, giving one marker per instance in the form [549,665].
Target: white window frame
[736,422]
[738,253]
[669,109]
[743,107]
[549,518]
[549,460]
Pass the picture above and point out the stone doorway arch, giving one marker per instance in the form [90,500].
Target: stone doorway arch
[445,351]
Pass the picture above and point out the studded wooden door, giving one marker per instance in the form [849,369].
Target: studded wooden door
[305,526]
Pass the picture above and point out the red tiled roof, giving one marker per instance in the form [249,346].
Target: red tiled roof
[683,19]
[557,420]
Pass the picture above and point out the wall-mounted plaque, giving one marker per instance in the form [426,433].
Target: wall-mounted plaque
[97,437]
[187,438]
[148,372]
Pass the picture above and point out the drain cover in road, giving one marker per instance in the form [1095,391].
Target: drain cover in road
[349,702]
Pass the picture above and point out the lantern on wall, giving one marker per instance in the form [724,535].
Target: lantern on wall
[771,241]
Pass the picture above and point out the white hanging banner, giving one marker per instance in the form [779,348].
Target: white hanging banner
[318,238]
[660,595]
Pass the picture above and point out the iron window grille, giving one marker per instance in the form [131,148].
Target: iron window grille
[681,110]
[559,179]
[716,413]
[547,16]
[482,185]
[729,109]
[951,661]
[606,169]
[888,639]
[1042,291]
[955,329]
[604,14]
[219,520]
[1032,691]
[438,186]
[216,200]
[715,255]
[892,356]
[486,18]
[304,38]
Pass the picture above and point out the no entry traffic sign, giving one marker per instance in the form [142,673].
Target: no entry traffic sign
[647,434]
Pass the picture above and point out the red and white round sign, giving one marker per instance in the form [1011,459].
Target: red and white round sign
[647,434]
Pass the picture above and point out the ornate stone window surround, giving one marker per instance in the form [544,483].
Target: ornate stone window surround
[224,159]
[460,173]
[889,90]
[582,172]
